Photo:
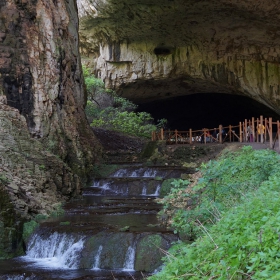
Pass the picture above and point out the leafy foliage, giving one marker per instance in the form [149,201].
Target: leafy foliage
[222,185]
[107,110]
[240,196]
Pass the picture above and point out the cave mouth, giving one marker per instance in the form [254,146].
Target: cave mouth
[206,110]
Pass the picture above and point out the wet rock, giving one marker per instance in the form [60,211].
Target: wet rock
[112,253]
[150,250]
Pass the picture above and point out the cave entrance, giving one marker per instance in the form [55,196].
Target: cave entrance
[201,110]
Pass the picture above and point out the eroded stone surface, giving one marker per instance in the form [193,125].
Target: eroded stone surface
[40,75]
[46,145]
[159,49]
[32,180]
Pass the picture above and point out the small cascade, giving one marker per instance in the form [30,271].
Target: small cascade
[112,230]
[150,173]
[58,250]
[144,191]
[157,190]
[139,172]
[129,259]
[97,259]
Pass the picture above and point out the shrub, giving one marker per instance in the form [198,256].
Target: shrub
[224,182]
[108,110]
[235,220]
[244,244]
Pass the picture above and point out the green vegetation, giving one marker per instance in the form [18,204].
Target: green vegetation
[66,223]
[108,110]
[28,229]
[233,216]
[104,170]
[42,167]
[59,211]
[3,179]
[125,228]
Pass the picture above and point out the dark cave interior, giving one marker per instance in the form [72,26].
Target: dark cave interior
[206,110]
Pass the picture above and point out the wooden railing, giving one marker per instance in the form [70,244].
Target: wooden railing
[233,133]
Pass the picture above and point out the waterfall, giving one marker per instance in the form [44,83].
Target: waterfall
[129,259]
[150,173]
[58,250]
[96,265]
[157,191]
[128,173]
[144,190]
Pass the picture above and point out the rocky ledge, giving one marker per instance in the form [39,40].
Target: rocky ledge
[149,50]
[33,180]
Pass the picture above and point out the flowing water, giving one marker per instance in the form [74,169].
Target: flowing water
[111,233]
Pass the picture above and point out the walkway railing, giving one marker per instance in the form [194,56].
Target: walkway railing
[231,133]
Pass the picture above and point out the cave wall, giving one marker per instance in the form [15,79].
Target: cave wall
[149,50]
[47,148]
[40,75]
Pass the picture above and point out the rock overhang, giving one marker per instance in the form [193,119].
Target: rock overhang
[149,50]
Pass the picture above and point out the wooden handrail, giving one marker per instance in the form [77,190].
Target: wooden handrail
[207,135]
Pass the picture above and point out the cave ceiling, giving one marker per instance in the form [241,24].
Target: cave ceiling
[149,50]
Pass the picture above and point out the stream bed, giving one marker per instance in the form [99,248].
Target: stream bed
[112,232]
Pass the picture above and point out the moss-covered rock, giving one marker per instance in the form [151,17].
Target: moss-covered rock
[149,149]
[10,228]
[112,248]
[149,252]
[28,229]
[166,187]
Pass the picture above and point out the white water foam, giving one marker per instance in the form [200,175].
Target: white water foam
[144,190]
[150,173]
[129,259]
[120,173]
[96,265]
[128,173]
[157,191]
[57,251]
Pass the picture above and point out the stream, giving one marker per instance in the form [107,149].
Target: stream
[112,232]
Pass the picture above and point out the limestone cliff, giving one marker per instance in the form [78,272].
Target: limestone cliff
[160,49]
[47,147]
[40,75]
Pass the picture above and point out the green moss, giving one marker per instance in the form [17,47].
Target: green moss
[10,228]
[66,223]
[166,187]
[104,170]
[148,253]
[59,211]
[40,217]
[149,149]
[28,229]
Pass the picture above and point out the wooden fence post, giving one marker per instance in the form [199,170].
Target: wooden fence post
[240,132]
[229,131]
[245,130]
[266,130]
[270,133]
[253,129]
[257,130]
[220,134]
[176,136]
[161,134]
[190,135]
[204,135]
[261,129]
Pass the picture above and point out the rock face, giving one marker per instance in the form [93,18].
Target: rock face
[46,145]
[40,75]
[33,181]
[149,50]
